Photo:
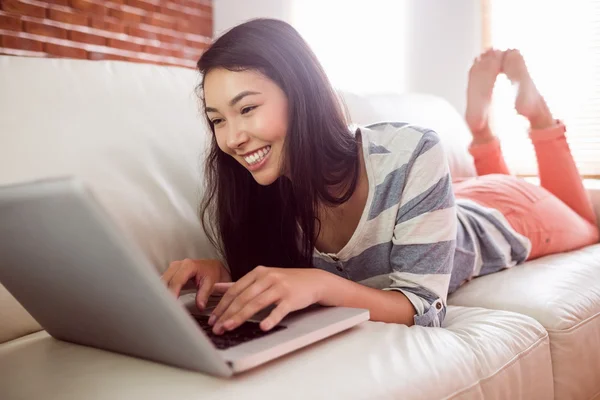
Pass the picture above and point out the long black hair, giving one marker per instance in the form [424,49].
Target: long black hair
[274,225]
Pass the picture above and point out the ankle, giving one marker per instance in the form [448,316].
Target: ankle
[482,136]
[542,120]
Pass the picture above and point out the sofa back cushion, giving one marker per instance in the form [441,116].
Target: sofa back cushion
[132,132]
[425,110]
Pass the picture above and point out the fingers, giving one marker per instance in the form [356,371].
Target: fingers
[171,270]
[275,316]
[258,303]
[231,294]
[238,295]
[206,288]
[184,273]
[222,287]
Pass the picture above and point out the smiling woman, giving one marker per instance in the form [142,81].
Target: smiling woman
[307,210]
[274,114]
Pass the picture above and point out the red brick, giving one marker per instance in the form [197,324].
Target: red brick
[157,51]
[112,25]
[121,44]
[64,51]
[206,8]
[15,42]
[44,30]
[89,7]
[192,44]
[196,25]
[103,56]
[10,22]
[83,37]
[125,15]
[142,33]
[161,21]
[58,2]
[173,11]
[188,3]
[177,40]
[68,17]
[183,25]
[19,7]
[144,5]
[200,6]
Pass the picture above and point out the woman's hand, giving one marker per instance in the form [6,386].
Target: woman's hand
[290,288]
[204,273]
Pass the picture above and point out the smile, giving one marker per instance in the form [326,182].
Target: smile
[257,156]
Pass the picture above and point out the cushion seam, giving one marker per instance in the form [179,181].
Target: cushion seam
[574,327]
[501,369]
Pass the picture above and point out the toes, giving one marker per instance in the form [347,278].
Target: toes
[512,54]
[490,61]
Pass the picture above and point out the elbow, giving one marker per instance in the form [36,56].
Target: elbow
[433,316]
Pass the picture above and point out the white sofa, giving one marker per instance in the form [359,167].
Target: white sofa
[133,132]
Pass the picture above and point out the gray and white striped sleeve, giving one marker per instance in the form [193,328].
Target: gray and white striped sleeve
[424,237]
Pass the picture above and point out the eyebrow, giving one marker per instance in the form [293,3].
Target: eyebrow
[235,100]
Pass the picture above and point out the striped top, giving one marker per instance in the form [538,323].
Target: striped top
[412,231]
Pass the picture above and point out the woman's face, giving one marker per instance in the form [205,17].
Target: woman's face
[250,117]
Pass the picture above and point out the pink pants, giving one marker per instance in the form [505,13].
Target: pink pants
[556,217]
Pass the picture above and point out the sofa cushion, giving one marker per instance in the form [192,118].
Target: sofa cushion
[562,292]
[479,354]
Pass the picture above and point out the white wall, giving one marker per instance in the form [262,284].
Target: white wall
[229,13]
[422,45]
[445,37]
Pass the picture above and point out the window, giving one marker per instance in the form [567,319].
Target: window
[352,39]
[560,41]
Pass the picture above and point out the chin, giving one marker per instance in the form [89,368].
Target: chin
[265,178]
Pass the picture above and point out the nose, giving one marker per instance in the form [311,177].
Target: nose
[236,137]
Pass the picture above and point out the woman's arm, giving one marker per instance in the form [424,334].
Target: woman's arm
[292,289]
[383,305]
[424,240]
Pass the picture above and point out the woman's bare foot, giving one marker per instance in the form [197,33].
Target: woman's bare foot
[529,102]
[482,77]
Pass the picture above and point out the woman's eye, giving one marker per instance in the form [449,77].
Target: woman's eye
[246,110]
[216,121]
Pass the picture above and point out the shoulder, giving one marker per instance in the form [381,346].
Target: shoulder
[397,138]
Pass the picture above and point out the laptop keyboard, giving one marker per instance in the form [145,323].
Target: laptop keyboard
[244,333]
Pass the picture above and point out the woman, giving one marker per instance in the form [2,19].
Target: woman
[307,211]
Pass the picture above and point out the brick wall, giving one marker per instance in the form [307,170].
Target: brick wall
[173,32]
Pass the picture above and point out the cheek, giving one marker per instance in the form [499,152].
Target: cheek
[277,126]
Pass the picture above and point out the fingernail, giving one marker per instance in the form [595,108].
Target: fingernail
[228,324]
[201,305]
[212,318]
[217,328]
[267,326]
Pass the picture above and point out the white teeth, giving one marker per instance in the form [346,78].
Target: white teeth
[257,156]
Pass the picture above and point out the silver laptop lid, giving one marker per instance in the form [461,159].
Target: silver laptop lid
[84,282]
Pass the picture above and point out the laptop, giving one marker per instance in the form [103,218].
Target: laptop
[81,278]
